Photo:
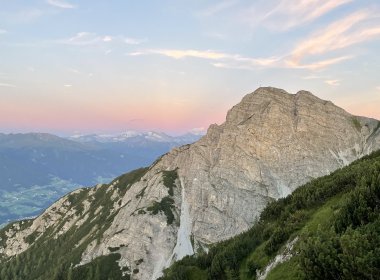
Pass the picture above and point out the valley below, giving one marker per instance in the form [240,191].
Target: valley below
[189,140]
[37,169]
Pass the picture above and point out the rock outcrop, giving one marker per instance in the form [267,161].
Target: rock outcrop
[271,143]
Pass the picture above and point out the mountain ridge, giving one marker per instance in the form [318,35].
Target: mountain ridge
[131,134]
[271,143]
[38,168]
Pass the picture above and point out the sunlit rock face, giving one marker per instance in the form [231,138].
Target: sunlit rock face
[271,143]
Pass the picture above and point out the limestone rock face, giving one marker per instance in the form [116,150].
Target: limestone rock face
[271,143]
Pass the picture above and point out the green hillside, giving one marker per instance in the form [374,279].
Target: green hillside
[327,229]
[54,257]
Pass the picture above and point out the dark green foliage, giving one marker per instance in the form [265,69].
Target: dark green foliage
[141,212]
[356,123]
[362,207]
[165,206]
[3,236]
[347,246]
[351,249]
[355,254]
[185,272]
[252,267]
[31,237]
[141,193]
[169,180]
[126,180]
[223,257]
[77,198]
[139,261]
[279,236]
[113,249]
[25,224]
[102,268]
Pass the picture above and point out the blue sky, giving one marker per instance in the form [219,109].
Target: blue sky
[107,66]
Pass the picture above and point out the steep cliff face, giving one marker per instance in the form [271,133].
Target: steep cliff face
[271,143]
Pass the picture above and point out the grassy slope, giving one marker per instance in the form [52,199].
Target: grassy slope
[321,219]
[312,212]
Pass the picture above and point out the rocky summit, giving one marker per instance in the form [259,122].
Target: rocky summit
[198,194]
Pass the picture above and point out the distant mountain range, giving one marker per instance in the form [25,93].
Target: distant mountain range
[136,138]
[38,168]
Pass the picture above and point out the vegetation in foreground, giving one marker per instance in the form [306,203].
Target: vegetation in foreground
[336,220]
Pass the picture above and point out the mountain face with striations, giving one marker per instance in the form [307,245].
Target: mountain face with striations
[198,194]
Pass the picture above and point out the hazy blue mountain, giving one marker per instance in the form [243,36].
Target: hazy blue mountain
[38,168]
[133,138]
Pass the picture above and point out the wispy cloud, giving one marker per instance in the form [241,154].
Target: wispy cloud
[107,38]
[316,52]
[7,85]
[90,38]
[338,35]
[60,4]
[3,31]
[333,82]
[249,63]
[68,86]
[237,61]
[178,54]
[82,39]
[378,88]
[278,15]
[233,66]
[317,65]
[136,53]
[287,14]
[133,41]
[227,60]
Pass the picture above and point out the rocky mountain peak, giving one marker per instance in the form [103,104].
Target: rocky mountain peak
[274,102]
[271,143]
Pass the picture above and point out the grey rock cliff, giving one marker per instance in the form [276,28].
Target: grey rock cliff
[271,143]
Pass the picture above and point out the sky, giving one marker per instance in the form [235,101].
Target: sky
[175,66]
